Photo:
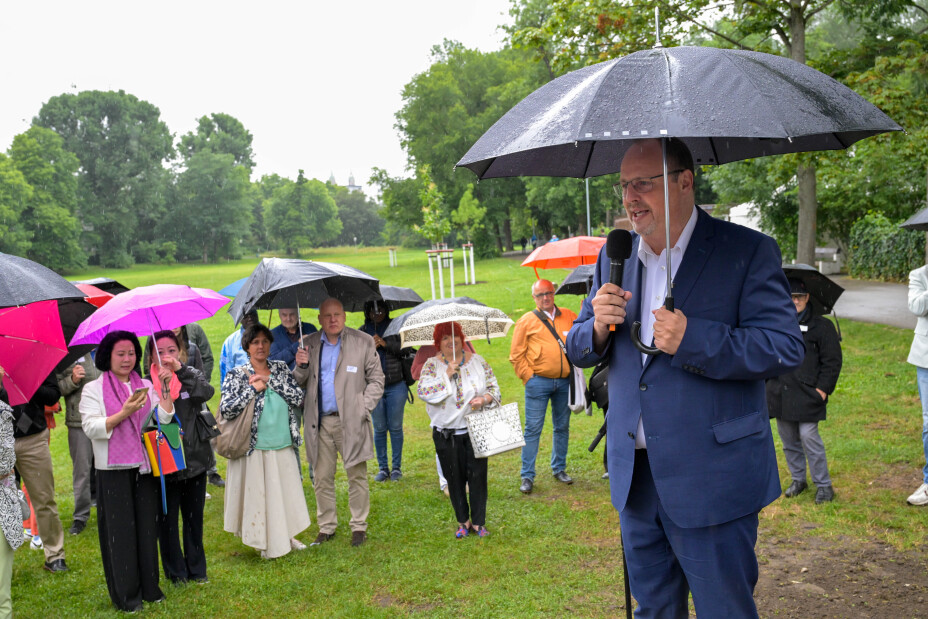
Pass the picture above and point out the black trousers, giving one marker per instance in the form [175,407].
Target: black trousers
[186,498]
[462,470]
[128,504]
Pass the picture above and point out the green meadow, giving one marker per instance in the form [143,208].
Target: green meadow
[553,553]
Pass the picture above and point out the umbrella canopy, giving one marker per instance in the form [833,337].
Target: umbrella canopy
[23,281]
[581,123]
[823,293]
[579,281]
[283,283]
[918,221]
[148,309]
[477,321]
[72,313]
[31,343]
[95,296]
[398,297]
[105,284]
[397,322]
[565,254]
[232,289]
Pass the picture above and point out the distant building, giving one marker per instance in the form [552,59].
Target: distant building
[351,184]
[332,178]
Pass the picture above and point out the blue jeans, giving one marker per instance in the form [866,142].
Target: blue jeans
[388,417]
[538,390]
[922,376]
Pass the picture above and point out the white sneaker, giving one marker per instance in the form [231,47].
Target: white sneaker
[296,544]
[27,534]
[920,496]
[36,543]
[208,496]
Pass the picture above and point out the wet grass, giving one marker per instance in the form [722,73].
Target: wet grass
[551,553]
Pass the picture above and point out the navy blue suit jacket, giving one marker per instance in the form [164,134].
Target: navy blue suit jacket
[282,349]
[704,409]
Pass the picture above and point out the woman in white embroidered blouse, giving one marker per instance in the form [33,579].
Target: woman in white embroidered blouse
[452,384]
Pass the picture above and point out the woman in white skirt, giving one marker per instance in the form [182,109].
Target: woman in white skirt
[264,501]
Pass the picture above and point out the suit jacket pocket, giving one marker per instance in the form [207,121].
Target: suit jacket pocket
[739,427]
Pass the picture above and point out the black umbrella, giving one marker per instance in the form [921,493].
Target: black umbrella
[397,323]
[105,284]
[396,297]
[285,283]
[23,281]
[823,292]
[918,221]
[72,313]
[724,104]
[579,281]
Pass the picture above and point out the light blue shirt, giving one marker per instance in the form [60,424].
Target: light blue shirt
[328,359]
[232,354]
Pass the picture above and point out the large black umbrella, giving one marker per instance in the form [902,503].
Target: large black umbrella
[579,281]
[918,221]
[287,283]
[23,281]
[397,323]
[105,284]
[72,313]
[396,297]
[823,292]
[725,105]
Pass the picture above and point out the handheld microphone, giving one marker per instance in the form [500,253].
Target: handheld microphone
[618,250]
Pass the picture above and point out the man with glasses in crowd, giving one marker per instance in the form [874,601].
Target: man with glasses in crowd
[538,355]
[690,451]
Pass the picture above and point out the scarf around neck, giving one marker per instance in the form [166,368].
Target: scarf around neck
[125,444]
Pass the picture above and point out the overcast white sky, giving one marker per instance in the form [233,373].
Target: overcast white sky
[316,83]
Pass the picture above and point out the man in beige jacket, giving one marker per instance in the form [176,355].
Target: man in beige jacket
[340,370]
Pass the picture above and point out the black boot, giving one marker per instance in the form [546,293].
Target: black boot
[795,489]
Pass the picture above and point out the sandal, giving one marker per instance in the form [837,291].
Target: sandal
[481,531]
[462,532]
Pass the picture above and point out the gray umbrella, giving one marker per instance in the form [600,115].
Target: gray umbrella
[579,281]
[23,281]
[724,104]
[289,283]
[918,221]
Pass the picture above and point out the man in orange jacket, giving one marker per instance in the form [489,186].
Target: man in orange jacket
[538,355]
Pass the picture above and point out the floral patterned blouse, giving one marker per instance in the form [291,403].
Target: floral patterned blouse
[11,515]
[447,400]
[237,393]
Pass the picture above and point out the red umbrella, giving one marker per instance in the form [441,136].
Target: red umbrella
[31,343]
[95,296]
[566,254]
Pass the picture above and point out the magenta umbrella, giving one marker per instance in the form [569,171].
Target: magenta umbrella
[31,344]
[148,309]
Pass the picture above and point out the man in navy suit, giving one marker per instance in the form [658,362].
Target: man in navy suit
[691,456]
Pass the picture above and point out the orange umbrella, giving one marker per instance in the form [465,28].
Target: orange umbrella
[566,254]
[95,296]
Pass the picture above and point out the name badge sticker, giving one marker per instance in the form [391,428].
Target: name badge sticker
[353,369]
[184,395]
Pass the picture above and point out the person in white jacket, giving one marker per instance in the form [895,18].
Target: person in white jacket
[918,356]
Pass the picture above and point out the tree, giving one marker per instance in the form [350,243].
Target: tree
[212,215]
[49,214]
[122,145]
[302,214]
[220,133]
[401,208]
[360,217]
[435,224]
[468,216]
[15,194]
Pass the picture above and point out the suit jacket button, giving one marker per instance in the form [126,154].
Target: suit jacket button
[643,387]
[631,435]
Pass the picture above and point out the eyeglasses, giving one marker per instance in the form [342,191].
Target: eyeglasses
[799,295]
[541,295]
[640,185]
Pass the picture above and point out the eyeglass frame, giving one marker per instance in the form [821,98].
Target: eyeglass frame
[541,295]
[621,187]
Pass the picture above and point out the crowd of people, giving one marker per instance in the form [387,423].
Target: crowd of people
[691,461]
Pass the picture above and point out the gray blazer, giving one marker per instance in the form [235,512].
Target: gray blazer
[918,305]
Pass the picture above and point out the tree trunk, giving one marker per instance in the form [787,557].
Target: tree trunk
[507,231]
[805,238]
[499,238]
[808,205]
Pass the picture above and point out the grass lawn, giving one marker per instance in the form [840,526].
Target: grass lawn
[554,552]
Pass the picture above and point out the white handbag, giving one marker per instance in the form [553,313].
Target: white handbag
[495,430]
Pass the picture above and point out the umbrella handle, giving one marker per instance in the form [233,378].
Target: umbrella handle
[636,340]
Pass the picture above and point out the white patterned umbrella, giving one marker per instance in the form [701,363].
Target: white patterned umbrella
[477,321]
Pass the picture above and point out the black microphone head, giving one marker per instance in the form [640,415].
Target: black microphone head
[619,245]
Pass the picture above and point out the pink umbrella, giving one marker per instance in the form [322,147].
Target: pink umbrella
[31,344]
[148,309]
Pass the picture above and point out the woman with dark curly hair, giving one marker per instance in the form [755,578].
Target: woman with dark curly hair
[186,489]
[113,409]
[264,502]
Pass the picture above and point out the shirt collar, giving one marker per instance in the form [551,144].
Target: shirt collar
[325,339]
[644,250]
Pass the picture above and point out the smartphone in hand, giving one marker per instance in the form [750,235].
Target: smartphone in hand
[138,391]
